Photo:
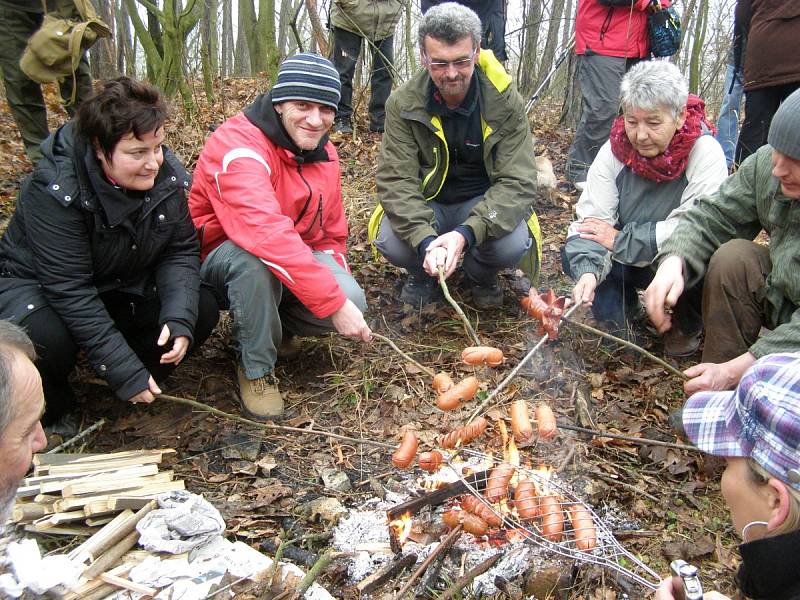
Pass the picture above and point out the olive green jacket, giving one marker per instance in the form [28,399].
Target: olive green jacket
[414,160]
[747,202]
[373,19]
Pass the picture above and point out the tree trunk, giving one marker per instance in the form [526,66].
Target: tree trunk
[569,24]
[411,51]
[695,64]
[208,50]
[241,61]
[316,27]
[104,51]
[154,29]
[125,56]
[571,109]
[527,62]
[546,63]
[226,62]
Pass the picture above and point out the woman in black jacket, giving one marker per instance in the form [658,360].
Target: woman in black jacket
[101,254]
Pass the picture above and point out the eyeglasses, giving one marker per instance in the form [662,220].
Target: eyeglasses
[442,65]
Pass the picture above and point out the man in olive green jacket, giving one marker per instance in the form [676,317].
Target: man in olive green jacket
[748,286]
[20,19]
[456,171]
[375,22]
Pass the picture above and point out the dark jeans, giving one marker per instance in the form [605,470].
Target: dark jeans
[136,318]
[759,108]
[346,48]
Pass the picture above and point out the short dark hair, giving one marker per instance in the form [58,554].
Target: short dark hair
[12,339]
[118,107]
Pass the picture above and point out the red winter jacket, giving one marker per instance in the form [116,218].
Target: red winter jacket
[276,203]
[619,31]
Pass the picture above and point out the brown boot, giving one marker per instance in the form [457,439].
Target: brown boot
[679,344]
[260,398]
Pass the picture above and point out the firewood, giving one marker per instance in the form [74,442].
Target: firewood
[389,570]
[55,483]
[153,489]
[49,521]
[109,558]
[110,534]
[78,467]
[75,530]
[62,459]
[29,511]
[110,485]
[127,584]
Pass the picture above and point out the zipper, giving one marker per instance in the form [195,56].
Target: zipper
[317,215]
[308,200]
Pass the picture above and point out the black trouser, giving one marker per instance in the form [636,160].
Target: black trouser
[759,108]
[137,318]
[346,48]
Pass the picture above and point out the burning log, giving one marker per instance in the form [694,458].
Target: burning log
[385,573]
[438,554]
[437,497]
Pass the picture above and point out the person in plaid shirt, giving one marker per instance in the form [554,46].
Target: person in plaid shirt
[756,428]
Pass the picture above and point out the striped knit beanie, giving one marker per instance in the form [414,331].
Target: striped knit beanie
[307,76]
[784,131]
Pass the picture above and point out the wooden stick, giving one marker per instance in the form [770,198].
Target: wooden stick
[314,572]
[467,578]
[628,438]
[394,347]
[443,546]
[111,534]
[454,304]
[112,555]
[29,511]
[630,345]
[103,591]
[113,485]
[79,437]
[127,584]
[510,377]
[386,572]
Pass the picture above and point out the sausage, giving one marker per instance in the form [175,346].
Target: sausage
[482,355]
[526,501]
[471,523]
[520,421]
[461,392]
[442,382]
[497,486]
[404,455]
[464,434]
[472,505]
[552,518]
[547,308]
[582,527]
[430,461]
[545,421]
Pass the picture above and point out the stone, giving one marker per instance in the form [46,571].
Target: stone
[335,479]
[327,510]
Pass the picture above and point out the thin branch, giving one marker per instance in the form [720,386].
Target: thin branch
[630,345]
[454,590]
[510,377]
[443,546]
[628,438]
[394,347]
[78,437]
[454,304]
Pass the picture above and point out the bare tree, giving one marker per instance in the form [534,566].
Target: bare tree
[526,73]
[553,26]
[316,27]
[104,52]
[126,62]
[208,50]
[226,60]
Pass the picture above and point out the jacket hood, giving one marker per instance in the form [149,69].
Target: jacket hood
[262,114]
[769,567]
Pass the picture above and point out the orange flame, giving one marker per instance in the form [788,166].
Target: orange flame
[402,528]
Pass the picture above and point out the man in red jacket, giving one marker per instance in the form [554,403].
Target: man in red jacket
[610,37]
[266,200]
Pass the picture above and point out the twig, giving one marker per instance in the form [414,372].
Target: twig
[79,437]
[443,546]
[628,438]
[467,577]
[272,426]
[627,486]
[630,345]
[510,377]
[454,304]
[419,365]
[314,572]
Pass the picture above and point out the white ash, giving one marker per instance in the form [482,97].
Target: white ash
[517,559]
[615,518]
[359,528]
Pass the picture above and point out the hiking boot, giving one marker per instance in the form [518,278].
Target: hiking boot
[289,347]
[486,296]
[342,126]
[679,344]
[260,398]
[419,290]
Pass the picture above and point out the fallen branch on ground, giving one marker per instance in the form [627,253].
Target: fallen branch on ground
[394,347]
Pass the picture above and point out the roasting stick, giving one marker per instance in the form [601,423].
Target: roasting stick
[423,368]
[510,377]
[454,304]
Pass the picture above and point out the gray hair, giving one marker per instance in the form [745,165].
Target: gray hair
[12,339]
[450,22]
[654,85]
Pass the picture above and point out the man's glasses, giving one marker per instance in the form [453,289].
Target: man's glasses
[443,65]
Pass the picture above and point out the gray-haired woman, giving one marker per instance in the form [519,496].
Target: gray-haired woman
[659,158]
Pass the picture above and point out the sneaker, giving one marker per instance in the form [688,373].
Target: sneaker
[679,344]
[260,398]
[419,290]
[289,347]
[487,296]
[342,126]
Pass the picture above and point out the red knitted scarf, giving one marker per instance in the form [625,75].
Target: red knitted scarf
[670,164]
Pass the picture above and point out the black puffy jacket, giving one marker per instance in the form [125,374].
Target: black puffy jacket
[74,236]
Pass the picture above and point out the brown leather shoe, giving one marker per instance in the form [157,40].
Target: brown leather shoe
[679,344]
[260,398]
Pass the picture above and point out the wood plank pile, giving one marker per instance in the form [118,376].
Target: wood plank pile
[75,494]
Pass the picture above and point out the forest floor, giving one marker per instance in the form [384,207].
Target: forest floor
[368,391]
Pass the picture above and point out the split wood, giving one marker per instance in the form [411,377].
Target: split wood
[463,581]
[454,304]
[383,338]
[510,377]
[628,344]
[442,548]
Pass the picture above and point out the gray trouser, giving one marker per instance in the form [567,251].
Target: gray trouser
[261,307]
[599,78]
[481,263]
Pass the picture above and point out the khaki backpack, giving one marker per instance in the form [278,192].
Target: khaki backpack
[55,49]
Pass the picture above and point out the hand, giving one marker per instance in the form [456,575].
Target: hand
[349,322]
[598,231]
[707,377]
[148,395]
[583,292]
[179,347]
[664,291]
[672,589]
[453,243]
